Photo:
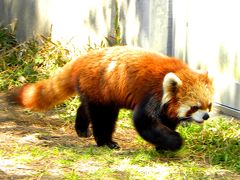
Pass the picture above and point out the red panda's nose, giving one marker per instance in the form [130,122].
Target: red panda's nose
[205,116]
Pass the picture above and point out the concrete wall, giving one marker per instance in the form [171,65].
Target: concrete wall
[31,16]
[207,37]
[142,22]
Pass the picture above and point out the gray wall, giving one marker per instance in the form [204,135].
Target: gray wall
[31,16]
[207,37]
[143,23]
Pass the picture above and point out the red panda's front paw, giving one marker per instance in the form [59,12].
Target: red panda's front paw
[172,143]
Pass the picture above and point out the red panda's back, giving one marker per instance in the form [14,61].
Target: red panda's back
[122,75]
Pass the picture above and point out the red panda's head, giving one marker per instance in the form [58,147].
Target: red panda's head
[188,94]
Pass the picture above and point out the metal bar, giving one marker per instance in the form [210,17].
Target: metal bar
[221,108]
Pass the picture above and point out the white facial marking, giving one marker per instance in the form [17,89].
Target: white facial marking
[198,115]
[168,81]
[182,111]
[111,66]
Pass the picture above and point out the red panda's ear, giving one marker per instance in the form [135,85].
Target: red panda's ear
[210,77]
[206,74]
[170,84]
[200,71]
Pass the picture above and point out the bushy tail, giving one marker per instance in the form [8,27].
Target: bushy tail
[45,94]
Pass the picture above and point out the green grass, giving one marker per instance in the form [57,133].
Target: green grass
[218,141]
[210,151]
[28,61]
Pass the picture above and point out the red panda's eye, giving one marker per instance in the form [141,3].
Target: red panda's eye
[194,108]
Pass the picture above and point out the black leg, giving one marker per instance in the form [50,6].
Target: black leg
[149,126]
[103,120]
[82,121]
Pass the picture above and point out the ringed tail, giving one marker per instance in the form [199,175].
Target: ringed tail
[45,94]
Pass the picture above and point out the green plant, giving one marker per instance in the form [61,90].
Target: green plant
[7,38]
[29,61]
[116,38]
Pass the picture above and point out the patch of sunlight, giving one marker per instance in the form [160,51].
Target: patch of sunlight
[156,170]
[31,138]
[89,166]
[11,167]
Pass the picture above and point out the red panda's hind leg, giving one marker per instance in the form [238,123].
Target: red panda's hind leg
[103,119]
[82,121]
[148,124]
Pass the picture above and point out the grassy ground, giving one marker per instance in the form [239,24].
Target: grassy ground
[45,145]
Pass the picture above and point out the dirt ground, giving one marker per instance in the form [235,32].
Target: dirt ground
[17,127]
[20,128]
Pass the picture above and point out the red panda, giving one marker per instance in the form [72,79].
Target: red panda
[161,91]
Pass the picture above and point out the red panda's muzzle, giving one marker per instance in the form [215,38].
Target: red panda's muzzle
[205,116]
[198,117]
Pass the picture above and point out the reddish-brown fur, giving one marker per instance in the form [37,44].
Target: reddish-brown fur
[135,73]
